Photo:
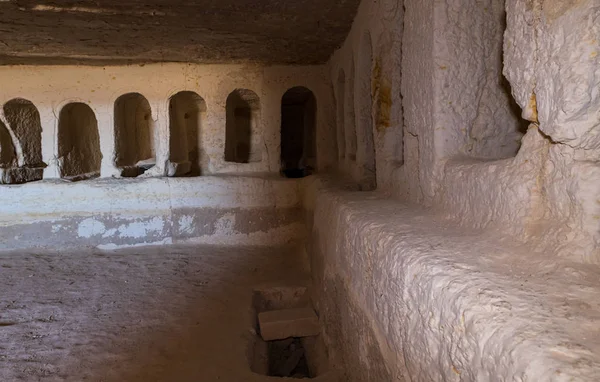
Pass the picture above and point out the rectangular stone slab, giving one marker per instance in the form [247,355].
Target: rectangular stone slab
[281,324]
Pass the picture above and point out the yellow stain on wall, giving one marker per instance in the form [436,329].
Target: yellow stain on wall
[533,107]
[455,370]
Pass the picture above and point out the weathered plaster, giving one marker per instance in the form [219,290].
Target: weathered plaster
[123,212]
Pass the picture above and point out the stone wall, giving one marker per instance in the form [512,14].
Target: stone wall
[477,124]
[485,119]
[365,69]
[448,132]
[111,213]
[406,295]
[50,88]
[164,124]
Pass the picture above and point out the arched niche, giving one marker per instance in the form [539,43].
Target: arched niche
[298,132]
[78,142]
[24,120]
[21,142]
[134,135]
[241,144]
[186,115]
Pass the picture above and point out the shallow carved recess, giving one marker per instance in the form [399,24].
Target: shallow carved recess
[298,132]
[78,142]
[134,135]
[478,117]
[340,96]
[186,114]
[242,143]
[21,143]
[350,115]
[364,102]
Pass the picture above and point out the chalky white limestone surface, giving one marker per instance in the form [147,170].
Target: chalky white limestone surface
[370,61]
[552,62]
[552,51]
[450,304]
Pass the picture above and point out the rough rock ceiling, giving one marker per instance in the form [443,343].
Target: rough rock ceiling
[208,31]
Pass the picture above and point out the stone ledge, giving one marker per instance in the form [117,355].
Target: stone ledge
[124,212]
[450,304]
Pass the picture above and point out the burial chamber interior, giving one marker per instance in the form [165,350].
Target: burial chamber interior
[406,189]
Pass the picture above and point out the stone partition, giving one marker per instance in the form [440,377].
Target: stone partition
[365,76]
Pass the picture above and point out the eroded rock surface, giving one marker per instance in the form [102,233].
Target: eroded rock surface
[210,31]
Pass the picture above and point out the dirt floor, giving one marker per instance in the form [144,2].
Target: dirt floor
[178,313]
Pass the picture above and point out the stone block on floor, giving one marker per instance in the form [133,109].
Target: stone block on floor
[281,324]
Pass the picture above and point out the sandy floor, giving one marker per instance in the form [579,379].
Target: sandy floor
[151,314]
